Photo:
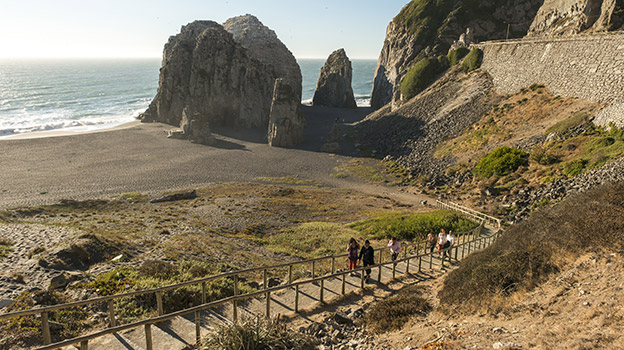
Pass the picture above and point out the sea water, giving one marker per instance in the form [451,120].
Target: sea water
[86,94]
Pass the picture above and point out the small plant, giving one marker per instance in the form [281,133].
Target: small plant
[392,313]
[542,157]
[500,162]
[472,60]
[455,55]
[534,87]
[256,335]
[575,167]
[5,247]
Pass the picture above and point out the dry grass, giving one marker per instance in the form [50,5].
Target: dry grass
[392,313]
[529,252]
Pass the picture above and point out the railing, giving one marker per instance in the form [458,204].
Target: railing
[467,243]
[470,212]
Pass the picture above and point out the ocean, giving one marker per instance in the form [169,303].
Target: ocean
[86,94]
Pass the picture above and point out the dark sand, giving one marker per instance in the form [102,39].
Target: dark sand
[141,158]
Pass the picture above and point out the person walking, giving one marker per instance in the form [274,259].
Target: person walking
[431,241]
[367,255]
[395,247]
[352,254]
[450,242]
[441,240]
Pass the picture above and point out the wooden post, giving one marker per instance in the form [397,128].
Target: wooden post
[234,303]
[419,264]
[442,263]
[111,313]
[290,269]
[362,280]
[343,283]
[265,285]
[455,247]
[431,261]
[394,270]
[45,328]
[379,275]
[333,266]
[268,305]
[296,298]
[321,291]
[159,303]
[463,250]
[197,327]
[84,345]
[203,296]
[407,267]
[313,269]
[148,337]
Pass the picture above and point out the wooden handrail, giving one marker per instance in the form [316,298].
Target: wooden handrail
[235,298]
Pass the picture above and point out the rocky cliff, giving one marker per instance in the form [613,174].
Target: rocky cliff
[214,77]
[427,28]
[333,87]
[566,17]
[286,123]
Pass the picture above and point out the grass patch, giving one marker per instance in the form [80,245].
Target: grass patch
[310,240]
[134,197]
[411,226]
[5,247]
[339,175]
[567,124]
[257,335]
[392,313]
[529,252]
[363,170]
[500,162]
[287,180]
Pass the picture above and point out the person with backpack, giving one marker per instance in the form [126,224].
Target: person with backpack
[367,255]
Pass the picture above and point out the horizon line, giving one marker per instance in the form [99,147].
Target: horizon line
[135,57]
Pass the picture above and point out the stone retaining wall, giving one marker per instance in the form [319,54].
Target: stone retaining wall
[588,67]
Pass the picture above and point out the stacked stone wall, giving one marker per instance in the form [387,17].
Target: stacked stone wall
[588,67]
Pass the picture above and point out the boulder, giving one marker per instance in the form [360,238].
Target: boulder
[286,123]
[212,77]
[333,87]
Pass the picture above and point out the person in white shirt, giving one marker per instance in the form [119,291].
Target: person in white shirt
[395,247]
[441,240]
[450,242]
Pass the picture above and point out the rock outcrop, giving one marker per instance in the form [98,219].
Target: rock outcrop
[286,123]
[429,29]
[333,87]
[567,17]
[213,76]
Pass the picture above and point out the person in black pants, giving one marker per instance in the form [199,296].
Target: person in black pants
[367,255]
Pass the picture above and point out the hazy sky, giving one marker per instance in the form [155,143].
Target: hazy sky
[129,28]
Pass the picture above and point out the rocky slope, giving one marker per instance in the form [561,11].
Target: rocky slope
[333,87]
[218,77]
[425,28]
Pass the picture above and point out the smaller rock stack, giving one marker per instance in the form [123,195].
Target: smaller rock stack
[285,123]
[333,88]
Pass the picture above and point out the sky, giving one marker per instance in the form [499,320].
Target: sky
[140,28]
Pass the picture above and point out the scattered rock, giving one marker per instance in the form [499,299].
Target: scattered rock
[342,318]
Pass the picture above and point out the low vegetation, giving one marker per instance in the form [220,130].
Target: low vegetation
[257,335]
[500,162]
[421,75]
[411,226]
[455,55]
[531,251]
[392,313]
[5,247]
[472,60]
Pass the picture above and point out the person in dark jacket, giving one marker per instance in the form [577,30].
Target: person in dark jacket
[367,255]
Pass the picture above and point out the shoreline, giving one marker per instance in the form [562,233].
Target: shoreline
[68,132]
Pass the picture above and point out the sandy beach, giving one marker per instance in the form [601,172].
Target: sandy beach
[139,158]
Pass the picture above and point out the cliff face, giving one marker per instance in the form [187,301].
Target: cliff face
[566,17]
[427,27]
[213,77]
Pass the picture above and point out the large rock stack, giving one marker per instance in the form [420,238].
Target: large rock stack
[333,87]
[568,17]
[213,76]
[286,123]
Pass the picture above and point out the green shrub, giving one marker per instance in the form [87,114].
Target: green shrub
[419,77]
[409,226]
[472,60]
[575,167]
[256,335]
[502,161]
[455,55]
[392,313]
[542,157]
